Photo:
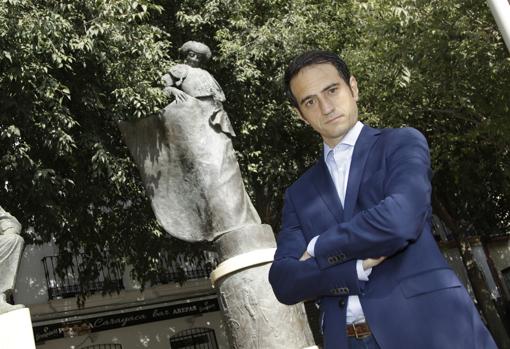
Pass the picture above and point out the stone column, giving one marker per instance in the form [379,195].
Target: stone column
[254,317]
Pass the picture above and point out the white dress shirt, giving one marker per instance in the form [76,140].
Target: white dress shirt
[338,161]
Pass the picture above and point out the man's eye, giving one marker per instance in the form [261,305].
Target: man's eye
[309,102]
[332,90]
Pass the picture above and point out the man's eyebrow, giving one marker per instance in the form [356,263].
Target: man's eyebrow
[304,99]
[330,86]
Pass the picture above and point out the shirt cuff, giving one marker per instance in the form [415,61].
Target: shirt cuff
[311,247]
[362,274]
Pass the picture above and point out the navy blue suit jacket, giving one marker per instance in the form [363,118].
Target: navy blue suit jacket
[413,299]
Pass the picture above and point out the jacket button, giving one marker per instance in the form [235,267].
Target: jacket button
[341,303]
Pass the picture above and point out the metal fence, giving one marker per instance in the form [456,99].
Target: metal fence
[182,267]
[66,283]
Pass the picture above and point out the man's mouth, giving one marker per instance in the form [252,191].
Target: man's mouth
[333,119]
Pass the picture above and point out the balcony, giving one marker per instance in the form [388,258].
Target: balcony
[181,268]
[66,284]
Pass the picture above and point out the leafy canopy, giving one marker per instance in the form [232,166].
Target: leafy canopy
[70,70]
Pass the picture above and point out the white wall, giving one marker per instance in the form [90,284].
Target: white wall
[30,282]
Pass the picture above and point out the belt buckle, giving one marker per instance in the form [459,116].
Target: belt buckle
[356,332]
[353,326]
[356,335]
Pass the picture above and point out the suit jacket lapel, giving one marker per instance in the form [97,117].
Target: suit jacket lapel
[327,190]
[362,147]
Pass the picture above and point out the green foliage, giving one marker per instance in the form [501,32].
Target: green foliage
[71,69]
[442,67]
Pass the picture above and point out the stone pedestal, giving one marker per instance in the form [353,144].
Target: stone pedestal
[16,330]
[254,317]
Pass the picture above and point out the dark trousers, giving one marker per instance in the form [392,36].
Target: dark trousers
[363,343]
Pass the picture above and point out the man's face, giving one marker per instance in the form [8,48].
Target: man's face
[325,101]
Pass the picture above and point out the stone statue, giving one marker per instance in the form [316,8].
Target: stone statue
[11,246]
[189,80]
[188,163]
[190,172]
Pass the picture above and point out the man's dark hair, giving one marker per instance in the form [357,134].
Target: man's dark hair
[310,58]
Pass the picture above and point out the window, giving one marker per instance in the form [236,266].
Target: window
[194,338]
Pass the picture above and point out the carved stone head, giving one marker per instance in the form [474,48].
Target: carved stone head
[195,52]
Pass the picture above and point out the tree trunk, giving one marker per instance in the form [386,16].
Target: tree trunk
[481,291]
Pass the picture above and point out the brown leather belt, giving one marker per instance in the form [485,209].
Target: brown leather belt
[360,330]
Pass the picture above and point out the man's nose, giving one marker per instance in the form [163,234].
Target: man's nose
[326,106]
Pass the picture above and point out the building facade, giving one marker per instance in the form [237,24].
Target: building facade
[162,316]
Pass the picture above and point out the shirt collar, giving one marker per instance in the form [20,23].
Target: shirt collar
[350,138]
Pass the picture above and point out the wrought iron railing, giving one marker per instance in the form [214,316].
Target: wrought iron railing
[67,283]
[180,268]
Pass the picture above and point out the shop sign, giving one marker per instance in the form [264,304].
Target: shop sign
[124,319]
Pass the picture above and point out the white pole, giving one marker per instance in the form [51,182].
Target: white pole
[501,12]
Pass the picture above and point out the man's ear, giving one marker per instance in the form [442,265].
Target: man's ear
[297,112]
[353,84]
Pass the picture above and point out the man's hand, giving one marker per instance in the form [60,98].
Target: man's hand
[371,262]
[305,256]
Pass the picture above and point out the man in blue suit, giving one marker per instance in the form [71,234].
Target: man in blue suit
[356,228]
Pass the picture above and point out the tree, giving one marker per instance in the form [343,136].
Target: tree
[445,67]
[70,70]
